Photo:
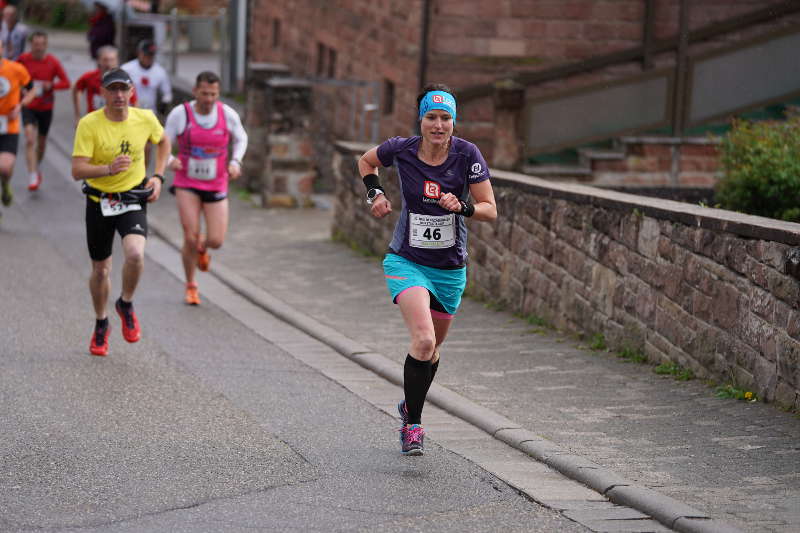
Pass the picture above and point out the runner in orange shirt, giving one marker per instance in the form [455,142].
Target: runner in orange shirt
[15,91]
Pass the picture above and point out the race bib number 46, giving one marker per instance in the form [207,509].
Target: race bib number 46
[428,231]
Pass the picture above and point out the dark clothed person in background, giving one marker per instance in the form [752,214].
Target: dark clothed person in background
[101,29]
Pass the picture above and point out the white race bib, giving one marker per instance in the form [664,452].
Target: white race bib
[202,169]
[429,231]
[38,87]
[3,124]
[112,208]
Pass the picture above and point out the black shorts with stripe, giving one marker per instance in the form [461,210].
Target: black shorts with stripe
[100,229]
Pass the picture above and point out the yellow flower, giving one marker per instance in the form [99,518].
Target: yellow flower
[748,395]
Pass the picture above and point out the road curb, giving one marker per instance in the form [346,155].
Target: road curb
[664,509]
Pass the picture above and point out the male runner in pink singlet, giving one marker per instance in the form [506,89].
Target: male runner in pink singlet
[203,129]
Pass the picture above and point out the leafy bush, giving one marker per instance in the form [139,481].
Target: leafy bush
[69,14]
[761,161]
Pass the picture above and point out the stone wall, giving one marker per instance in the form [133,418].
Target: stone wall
[705,288]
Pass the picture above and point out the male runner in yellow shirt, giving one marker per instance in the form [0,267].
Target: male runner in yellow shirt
[109,156]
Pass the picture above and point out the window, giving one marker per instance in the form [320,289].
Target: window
[388,97]
[321,53]
[331,63]
[276,33]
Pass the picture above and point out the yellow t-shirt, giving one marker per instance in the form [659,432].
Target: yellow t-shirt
[102,140]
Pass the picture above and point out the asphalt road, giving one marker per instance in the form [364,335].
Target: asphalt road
[204,425]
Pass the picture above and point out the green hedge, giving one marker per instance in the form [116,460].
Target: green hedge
[67,14]
[761,164]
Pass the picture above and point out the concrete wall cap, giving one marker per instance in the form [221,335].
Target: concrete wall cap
[750,226]
[274,67]
[288,82]
[352,146]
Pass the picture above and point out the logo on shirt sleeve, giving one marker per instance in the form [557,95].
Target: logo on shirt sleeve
[476,171]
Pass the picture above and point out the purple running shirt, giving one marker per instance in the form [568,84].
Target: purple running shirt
[426,233]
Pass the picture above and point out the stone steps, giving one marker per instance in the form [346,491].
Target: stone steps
[642,161]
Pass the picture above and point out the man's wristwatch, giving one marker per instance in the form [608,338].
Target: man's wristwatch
[160,177]
[372,194]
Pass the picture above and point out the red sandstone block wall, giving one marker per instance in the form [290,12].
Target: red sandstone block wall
[201,7]
[470,42]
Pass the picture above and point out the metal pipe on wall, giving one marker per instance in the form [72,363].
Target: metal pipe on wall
[173,30]
[681,68]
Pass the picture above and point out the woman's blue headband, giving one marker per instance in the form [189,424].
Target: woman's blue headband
[438,100]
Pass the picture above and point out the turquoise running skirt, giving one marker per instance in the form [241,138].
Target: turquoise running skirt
[446,286]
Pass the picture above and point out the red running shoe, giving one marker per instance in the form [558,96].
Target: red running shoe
[130,325]
[99,343]
[34,185]
[203,260]
[192,294]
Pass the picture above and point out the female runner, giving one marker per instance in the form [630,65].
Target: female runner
[425,267]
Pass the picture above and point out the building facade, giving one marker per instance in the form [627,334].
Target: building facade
[469,44]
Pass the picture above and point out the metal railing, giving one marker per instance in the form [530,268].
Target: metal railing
[643,52]
[175,34]
[738,78]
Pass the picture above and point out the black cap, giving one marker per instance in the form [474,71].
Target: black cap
[147,46]
[116,75]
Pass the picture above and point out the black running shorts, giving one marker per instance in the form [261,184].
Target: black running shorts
[40,119]
[9,143]
[100,230]
[207,197]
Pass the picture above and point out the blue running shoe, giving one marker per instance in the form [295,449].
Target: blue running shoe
[411,439]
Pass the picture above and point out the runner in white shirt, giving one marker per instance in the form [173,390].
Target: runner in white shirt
[149,77]
[202,130]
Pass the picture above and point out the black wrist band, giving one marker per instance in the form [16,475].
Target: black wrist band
[159,176]
[371,181]
[467,209]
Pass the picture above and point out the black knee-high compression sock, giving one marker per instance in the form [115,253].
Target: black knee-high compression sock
[416,380]
[434,367]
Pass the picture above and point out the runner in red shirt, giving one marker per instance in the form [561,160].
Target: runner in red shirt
[107,59]
[44,69]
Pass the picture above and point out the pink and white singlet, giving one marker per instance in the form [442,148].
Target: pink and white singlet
[203,153]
